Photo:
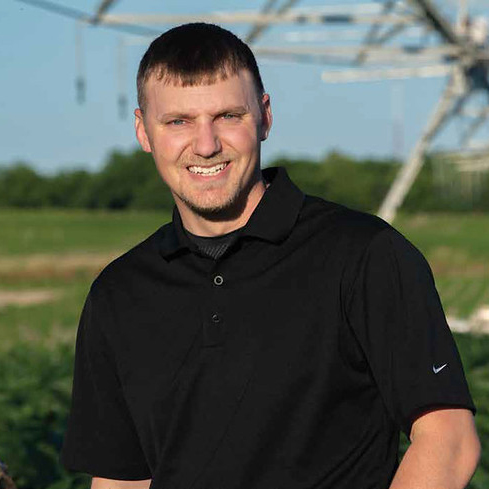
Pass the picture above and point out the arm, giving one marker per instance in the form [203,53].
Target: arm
[443,454]
[101,436]
[99,483]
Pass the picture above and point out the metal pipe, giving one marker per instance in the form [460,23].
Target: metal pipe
[257,18]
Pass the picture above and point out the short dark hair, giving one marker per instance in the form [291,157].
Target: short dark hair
[196,53]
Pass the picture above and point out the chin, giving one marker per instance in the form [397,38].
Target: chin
[216,209]
[211,209]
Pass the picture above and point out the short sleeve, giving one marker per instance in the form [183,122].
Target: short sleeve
[396,314]
[101,439]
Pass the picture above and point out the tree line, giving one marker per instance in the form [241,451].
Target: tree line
[129,180]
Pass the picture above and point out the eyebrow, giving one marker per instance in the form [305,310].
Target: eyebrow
[239,109]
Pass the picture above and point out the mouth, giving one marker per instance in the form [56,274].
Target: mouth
[208,171]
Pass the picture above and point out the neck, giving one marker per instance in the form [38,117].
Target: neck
[205,226]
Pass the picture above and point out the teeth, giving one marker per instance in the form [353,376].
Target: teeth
[202,170]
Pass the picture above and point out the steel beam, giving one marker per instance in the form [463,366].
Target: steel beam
[258,29]
[56,8]
[437,21]
[103,7]
[72,13]
[474,126]
[258,18]
[380,52]
[372,35]
[355,76]
[450,102]
[344,54]
[411,32]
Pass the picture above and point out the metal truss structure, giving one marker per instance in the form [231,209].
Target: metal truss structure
[386,39]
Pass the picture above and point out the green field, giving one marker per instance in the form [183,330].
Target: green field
[49,258]
[24,232]
[60,253]
[457,248]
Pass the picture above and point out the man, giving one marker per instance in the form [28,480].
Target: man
[263,339]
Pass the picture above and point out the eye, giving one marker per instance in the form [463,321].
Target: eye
[230,115]
[176,122]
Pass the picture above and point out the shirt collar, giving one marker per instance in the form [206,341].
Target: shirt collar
[272,220]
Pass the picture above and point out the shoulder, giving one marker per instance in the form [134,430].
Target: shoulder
[131,266]
[361,241]
[350,227]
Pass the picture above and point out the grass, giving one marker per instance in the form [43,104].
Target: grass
[465,234]
[47,324]
[25,232]
[457,248]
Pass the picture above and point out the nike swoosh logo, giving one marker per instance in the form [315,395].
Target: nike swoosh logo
[438,369]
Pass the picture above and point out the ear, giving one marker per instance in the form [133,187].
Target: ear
[266,118]
[141,131]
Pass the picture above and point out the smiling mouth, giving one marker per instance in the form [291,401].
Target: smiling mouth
[208,170]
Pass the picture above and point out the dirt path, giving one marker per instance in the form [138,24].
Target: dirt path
[27,297]
[50,265]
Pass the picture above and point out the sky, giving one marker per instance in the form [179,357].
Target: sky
[42,124]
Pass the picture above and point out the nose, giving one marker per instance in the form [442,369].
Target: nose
[206,140]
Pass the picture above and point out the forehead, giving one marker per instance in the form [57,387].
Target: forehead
[170,95]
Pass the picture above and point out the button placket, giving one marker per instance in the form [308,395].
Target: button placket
[214,327]
[213,321]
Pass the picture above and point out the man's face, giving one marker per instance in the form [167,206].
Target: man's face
[205,140]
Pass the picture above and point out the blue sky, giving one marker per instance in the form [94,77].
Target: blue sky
[42,124]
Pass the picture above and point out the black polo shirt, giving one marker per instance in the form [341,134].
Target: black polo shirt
[291,362]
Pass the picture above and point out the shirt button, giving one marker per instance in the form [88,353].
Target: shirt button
[218,280]
[216,318]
